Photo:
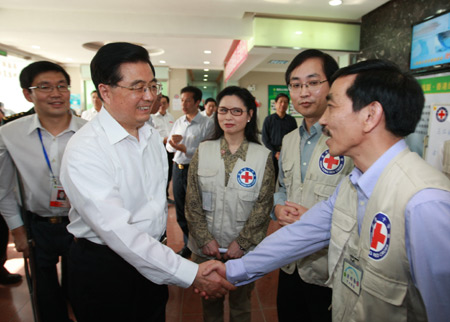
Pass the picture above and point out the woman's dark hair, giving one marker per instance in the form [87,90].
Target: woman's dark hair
[251,129]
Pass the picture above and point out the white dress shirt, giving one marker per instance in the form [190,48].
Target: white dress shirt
[163,123]
[116,185]
[20,146]
[199,129]
[89,114]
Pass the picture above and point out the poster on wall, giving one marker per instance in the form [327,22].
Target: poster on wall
[437,103]
[273,91]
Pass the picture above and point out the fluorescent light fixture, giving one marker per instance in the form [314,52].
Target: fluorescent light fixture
[206,70]
[69,59]
[206,75]
[206,62]
[335,2]
[207,51]
[36,47]
[205,87]
[205,79]
[162,61]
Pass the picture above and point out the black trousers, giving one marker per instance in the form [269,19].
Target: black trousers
[301,301]
[104,287]
[51,242]
[179,193]
[4,235]
[169,160]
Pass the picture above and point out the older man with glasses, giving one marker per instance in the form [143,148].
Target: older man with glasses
[115,174]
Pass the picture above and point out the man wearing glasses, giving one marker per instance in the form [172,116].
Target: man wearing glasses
[308,174]
[33,145]
[115,174]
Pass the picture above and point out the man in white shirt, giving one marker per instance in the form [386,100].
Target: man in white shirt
[185,137]
[97,102]
[33,146]
[210,107]
[115,171]
[163,121]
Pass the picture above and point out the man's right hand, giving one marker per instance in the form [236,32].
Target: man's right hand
[286,215]
[20,240]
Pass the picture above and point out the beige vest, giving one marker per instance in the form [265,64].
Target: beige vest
[387,291]
[320,182]
[446,159]
[227,208]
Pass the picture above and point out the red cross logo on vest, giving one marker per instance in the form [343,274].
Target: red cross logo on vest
[441,114]
[380,236]
[246,177]
[330,165]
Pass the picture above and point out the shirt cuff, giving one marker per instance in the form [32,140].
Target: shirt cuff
[186,273]
[13,222]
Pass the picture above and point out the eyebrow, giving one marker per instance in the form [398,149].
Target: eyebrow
[309,76]
[140,81]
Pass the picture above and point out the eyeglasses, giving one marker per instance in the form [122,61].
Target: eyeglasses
[49,89]
[140,88]
[295,87]
[235,111]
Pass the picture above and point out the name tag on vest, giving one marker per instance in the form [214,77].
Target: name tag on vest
[352,276]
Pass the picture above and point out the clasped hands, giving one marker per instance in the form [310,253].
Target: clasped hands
[289,213]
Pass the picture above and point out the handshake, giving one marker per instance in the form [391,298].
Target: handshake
[211,281]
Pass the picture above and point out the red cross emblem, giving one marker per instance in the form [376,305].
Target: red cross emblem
[380,236]
[246,177]
[441,114]
[330,161]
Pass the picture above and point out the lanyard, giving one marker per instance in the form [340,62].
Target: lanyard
[45,154]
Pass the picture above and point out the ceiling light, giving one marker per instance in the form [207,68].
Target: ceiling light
[162,61]
[205,87]
[206,62]
[69,59]
[205,79]
[36,47]
[335,2]
[207,51]
[206,75]
[206,70]
[298,32]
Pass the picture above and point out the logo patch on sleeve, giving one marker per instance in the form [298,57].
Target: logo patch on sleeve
[380,236]
[246,177]
[330,165]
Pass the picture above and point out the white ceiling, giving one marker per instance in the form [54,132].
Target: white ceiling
[182,28]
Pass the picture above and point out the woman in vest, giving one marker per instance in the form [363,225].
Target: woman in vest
[229,195]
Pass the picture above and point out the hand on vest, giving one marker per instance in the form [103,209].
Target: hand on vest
[212,249]
[234,251]
[289,213]
[210,281]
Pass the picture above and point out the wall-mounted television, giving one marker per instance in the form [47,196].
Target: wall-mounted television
[430,44]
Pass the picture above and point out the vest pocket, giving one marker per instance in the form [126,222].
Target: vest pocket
[246,200]
[386,290]
[323,191]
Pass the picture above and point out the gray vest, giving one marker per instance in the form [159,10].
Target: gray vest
[227,208]
[387,292]
[322,176]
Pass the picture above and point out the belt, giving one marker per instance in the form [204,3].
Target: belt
[182,166]
[52,220]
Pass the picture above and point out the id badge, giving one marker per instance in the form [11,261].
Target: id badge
[58,197]
[352,276]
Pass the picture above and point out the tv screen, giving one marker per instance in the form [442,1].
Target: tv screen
[430,45]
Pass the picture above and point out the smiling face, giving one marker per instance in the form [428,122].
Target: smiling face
[130,108]
[344,126]
[230,124]
[310,102]
[53,104]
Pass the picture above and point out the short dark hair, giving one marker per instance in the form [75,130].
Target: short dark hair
[281,95]
[195,91]
[166,97]
[107,61]
[329,64]
[210,100]
[94,91]
[29,73]
[251,128]
[398,92]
